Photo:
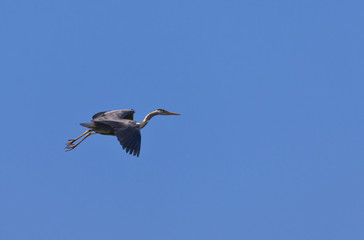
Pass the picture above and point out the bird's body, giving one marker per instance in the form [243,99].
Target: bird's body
[118,123]
[125,116]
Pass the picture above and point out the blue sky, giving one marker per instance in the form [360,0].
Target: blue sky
[269,144]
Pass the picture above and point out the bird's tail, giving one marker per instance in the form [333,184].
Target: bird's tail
[88,125]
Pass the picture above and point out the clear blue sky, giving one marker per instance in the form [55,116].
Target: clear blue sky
[270,144]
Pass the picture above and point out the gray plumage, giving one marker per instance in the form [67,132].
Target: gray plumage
[115,114]
[118,123]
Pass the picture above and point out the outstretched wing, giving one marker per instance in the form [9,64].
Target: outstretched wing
[114,115]
[128,134]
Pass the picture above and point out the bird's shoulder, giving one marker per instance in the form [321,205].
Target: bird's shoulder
[114,115]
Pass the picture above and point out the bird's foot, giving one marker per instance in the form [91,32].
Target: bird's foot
[70,145]
[71,141]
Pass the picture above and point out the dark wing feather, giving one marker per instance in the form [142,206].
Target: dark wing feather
[97,115]
[128,134]
[114,115]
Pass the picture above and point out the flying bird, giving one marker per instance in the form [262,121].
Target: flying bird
[118,123]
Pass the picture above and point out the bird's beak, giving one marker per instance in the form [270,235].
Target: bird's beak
[172,113]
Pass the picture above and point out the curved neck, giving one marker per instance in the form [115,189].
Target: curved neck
[147,118]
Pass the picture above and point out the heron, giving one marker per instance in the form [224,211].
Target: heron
[117,123]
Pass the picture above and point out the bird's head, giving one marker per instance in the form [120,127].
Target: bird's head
[165,112]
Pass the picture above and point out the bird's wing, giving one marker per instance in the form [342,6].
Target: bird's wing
[128,134]
[114,115]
